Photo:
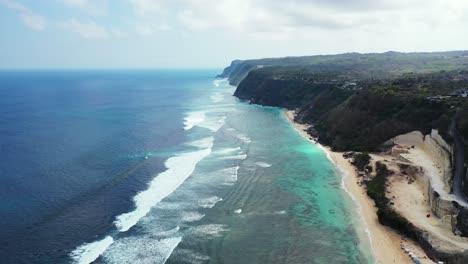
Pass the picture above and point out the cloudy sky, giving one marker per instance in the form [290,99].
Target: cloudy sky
[211,33]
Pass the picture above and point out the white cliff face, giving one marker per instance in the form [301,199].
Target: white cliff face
[433,154]
[429,158]
[441,154]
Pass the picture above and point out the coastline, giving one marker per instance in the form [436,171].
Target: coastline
[385,243]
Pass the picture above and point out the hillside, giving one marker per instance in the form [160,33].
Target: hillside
[374,65]
[358,101]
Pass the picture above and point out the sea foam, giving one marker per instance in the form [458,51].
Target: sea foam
[209,230]
[229,175]
[263,164]
[191,216]
[209,202]
[168,233]
[213,124]
[236,157]
[200,119]
[244,138]
[141,249]
[179,168]
[217,97]
[227,150]
[202,143]
[220,82]
[87,253]
[194,118]
[189,256]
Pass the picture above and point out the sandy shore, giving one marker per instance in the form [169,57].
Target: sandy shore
[386,243]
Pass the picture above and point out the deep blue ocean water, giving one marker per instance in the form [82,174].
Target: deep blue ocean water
[160,166]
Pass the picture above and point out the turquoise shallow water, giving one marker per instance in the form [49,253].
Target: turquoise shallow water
[278,197]
[296,210]
[162,167]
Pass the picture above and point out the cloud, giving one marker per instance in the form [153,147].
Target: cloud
[88,29]
[247,15]
[94,8]
[118,33]
[279,16]
[27,16]
[146,7]
[33,21]
[151,16]
[79,3]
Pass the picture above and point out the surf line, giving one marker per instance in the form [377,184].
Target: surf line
[179,168]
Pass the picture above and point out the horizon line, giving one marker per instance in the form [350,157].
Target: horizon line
[110,69]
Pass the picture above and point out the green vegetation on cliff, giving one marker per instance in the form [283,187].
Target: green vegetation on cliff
[368,119]
[359,101]
[361,160]
[387,216]
[366,66]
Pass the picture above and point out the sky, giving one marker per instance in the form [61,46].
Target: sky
[46,34]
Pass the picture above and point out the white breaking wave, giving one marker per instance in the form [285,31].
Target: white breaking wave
[210,230]
[281,212]
[188,256]
[209,202]
[191,216]
[244,138]
[263,164]
[179,168]
[236,157]
[194,118]
[226,151]
[345,174]
[199,119]
[220,82]
[202,143]
[229,175]
[89,252]
[168,233]
[217,97]
[213,125]
[141,250]
[238,211]
[216,83]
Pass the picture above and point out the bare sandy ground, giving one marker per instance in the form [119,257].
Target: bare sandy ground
[411,201]
[386,243]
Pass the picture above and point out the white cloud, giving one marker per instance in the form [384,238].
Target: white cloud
[26,15]
[188,18]
[88,29]
[151,16]
[94,8]
[33,21]
[144,29]
[145,7]
[14,5]
[79,3]
[297,27]
[118,33]
[279,16]
[150,27]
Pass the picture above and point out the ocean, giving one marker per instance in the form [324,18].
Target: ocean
[156,166]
